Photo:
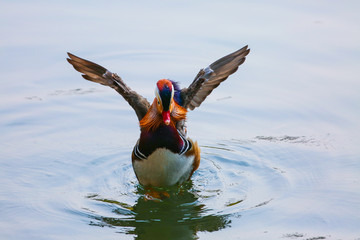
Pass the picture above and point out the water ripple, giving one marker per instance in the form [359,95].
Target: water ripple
[233,178]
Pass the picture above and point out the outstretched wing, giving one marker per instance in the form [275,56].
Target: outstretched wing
[96,73]
[210,77]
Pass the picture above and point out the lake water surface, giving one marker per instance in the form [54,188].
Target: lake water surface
[279,139]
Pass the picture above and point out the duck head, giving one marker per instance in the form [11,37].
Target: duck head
[164,93]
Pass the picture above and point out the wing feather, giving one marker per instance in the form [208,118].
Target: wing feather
[96,73]
[211,77]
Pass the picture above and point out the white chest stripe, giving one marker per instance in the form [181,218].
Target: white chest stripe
[186,144]
[137,152]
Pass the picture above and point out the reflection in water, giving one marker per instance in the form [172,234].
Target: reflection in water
[180,216]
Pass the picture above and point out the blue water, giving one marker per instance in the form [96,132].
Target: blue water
[279,138]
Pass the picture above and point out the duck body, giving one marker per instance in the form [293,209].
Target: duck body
[164,168]
[164,155]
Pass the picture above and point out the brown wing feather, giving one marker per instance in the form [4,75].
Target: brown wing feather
[96,73]
[211,77]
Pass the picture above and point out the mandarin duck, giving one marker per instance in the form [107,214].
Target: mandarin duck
[164,155]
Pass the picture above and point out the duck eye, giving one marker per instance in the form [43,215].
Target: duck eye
[158,102]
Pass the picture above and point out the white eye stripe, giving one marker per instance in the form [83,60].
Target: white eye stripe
[157,94]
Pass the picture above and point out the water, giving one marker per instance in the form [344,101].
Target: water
[279,139]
